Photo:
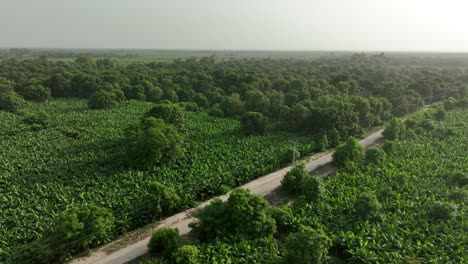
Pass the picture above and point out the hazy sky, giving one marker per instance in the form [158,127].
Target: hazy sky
[391,25]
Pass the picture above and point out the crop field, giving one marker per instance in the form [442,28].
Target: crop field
[77,160]
[421,188]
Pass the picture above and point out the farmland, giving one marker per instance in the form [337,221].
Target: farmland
[77,160]
[93,148]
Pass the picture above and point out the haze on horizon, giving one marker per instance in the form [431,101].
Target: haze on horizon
[358,25]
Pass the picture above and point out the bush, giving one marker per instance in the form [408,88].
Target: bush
[154,94]
[313,189]
[253,123]
[36,92]
[293,180]
[459,179]
[442,211]
[186,255]
[171,114]
[440,115]
[350,152]
[307,246]
[394,129]
[164,241]
[103,100]
[152,141]
[162,200]
[244,216]
[216,112]
[322,143]
[367,206]
[427,125]
[11,101]
[374,155]
[459,195]
[284,218]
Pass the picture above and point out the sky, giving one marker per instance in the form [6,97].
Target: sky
[349,25]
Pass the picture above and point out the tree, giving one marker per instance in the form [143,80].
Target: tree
[297,116]
[313,188]
[162,200]
[307,246]
[351,151]
[187,254]
[243,216]
[374,155]
[322,143]
[11,101]
[171,114]
[164,241]
[367,206]
[232,105]
[152,141]
[394,129]
[82,225]
[438,211]
[103,100]
[36,92]
[154,94]
[256,101]
[253,123]
[293,181]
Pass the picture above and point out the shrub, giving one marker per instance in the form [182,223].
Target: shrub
[154,94]
[186,254]
[152,141]
[171,114]
[284,218]
[243,216]
[36,92]
[216,112]
[394,129]
[162,200]
[459,195]
[367,206]
[427,125]
[307,246]
[313,189]
[349,152]
[164,241]
[374,155]
[322,143]
[11,101]
[253,123]
[103,100]
[459,179]
[442,211]
[440,115]
[293,180]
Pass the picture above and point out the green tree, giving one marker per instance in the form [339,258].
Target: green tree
[351,151]
[187,254]
[367,206]
[253,123]
[103,99]
[164,241]
[307,246]
[313,188]
[152,141]
[374,155]
[293,181]
[154,94]
[162,200]
[256,101]
[394,129]
[171,114]
[232,105]
[11,101]
[36,92]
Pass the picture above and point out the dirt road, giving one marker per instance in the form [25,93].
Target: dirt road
[261,186]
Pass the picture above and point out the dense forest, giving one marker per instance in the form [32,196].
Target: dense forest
[95,147]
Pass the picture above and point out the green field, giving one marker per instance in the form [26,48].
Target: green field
[78,160]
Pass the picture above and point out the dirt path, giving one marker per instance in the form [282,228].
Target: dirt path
[261,186]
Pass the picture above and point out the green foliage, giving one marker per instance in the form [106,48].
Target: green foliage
[11,101]
[164,242]
[244,216]
[442,211]
[162,200]
[152,141]
[374,155]
[459,179]
[440,115]
[154,94]
[349,152]
[253,123]
[313,189]
[394,129]
[232,105]
[36,92]
[186,254]
[214,111]
[103,100]
[37,120]
[367,206]
[171,114]
[322,143]
[307,246]
[284,219]
[293,181]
